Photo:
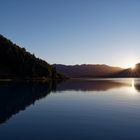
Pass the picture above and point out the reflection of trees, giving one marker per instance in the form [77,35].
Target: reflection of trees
[137,87]
[15,97]
[90,85]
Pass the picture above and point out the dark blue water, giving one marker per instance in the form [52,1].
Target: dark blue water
[88,109]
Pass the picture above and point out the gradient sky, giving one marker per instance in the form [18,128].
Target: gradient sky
[75,31]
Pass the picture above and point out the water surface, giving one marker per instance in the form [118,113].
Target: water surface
[73,110]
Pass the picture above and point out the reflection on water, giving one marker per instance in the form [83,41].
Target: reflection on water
[136,84]
[66,112]
[15,97]
[99,84]
[133,88]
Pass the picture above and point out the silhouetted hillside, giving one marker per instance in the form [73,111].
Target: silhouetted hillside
[76,71]
[128,72]
[16,62]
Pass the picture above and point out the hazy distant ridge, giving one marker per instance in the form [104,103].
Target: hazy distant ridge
[128,72]
[87,70]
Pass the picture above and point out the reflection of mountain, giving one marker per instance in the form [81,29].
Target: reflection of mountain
[15,97]
[91,85]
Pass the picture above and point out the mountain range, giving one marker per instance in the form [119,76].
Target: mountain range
[17,63]
[128,72]
[87,71]
[96,71]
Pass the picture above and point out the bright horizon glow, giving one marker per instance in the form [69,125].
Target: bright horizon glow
[130,62]
[133,66]
[75,31]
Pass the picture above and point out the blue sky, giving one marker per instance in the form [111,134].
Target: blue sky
[75,31]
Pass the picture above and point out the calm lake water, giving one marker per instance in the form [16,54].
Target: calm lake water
[91,109]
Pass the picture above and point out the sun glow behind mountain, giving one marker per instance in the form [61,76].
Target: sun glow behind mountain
[133,66]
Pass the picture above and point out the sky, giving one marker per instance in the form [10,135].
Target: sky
[75,31]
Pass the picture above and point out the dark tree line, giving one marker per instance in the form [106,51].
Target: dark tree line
[16,62]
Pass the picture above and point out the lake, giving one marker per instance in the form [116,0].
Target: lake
[80,109]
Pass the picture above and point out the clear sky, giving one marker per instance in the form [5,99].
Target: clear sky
[75,31]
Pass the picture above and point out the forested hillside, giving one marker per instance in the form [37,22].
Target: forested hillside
[16,62]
